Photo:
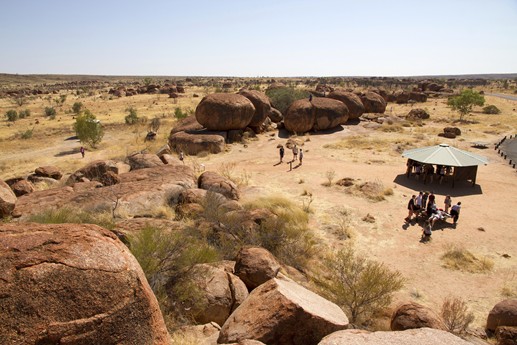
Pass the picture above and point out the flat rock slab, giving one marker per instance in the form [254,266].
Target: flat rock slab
[281,311]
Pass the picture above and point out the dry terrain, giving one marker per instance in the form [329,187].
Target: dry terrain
[362,152]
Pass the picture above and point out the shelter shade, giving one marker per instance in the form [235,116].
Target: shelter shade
[444,154]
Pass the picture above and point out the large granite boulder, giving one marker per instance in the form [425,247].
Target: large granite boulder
[299,117]
[143,160]
[417,96]
[417,114]
[212,181]
[187,124]
[7,200]
[195,142]
[49,171]
[22,187]
[262,106]
[222,292]
[255,266]
[223,112]
[276,115]
[94,171]
[329,113]
[506,335]
[503,313]
[421,336]
[413,315]
[352,101]
[373,103]
[283,312]
[73,284]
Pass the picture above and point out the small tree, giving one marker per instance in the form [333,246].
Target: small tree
[77,108]
[88,129]
[456,315]
[132,117]
[465,101]
[11,115]
[361,286]
[50,112]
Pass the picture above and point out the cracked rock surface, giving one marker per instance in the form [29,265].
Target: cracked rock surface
[73,284]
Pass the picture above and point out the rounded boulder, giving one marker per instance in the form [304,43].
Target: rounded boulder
[413,315]
[373,103]
[351,100]
[299,117]
[255,266]
[329,113]
[223,112]
[262,106]
[503,313]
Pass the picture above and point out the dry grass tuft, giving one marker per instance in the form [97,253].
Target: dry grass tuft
[458,258]
[374,191]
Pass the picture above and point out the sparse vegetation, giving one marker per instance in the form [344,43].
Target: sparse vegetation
[77,108]
[458,258]
[282,98]
[24,113]
[455,315]
[50,112]
[11,115]
[132,117]
[361,286]
[330,175]
[465,101]
[491,109]
[70,215]
[180,114]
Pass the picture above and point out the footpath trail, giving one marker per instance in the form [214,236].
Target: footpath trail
[502,95]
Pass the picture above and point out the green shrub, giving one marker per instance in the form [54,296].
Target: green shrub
[77,108]
[359,285]
[71,215]
[465,101]
[24,113]
[132,117]
[180,114]
[282,98]
[491,109]
[11,115]
[27,134]
[50,112]
[167,257]
[88,129]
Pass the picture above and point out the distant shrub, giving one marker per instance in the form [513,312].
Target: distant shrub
[180,114]
[361,286]
[132,117]
[24,113]
[491,109]
[11,115]
[282,98]
[50,112]
[458,258]
[77,108]
[27,134]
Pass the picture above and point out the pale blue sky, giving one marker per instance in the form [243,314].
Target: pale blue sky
[258,38]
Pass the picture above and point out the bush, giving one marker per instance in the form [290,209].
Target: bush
[24,113]
[27,134]
[11,115]
[132,117]
[77,108]
[458,258]
[50,112]
[282,98]
[361,286]
[179,114]
[456,315]
[88,129]
[166,262]
[465,101]
[491,109]
[71,215]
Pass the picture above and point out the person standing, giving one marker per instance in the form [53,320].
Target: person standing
[419,201]
[455,212]
[295,152]
[447,202]
[411,208]
[301,156]
[432,198]
[424,199]
[281,151]
[82,151]
[181,157]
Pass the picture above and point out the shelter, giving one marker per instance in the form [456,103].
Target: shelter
[465,163]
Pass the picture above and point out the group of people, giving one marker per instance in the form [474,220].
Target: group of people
[427,171]
[297,154]
[425,204]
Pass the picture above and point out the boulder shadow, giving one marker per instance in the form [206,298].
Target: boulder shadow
[461,188]
[67,153]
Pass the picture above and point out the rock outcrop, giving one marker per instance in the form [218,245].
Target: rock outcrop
[93,171]
[49,171]
[255,266]
[299,117]
[417,114]
[195,142]
[22,187]
[212,181]
[7,200]
[328,113]
[223,112]
[422,336]
[222,293]
[413,315]
[503,313]
[143,160]
[73,284]
[262,106]
[352,101]
[283,312]
[373,103]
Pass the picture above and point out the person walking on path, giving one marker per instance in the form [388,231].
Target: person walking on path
[301,156]
[82,151]
[295,152]
[281,151]
[411,208]
[455,212]
[447,202]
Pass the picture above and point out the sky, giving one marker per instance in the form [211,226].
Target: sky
[252,38]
